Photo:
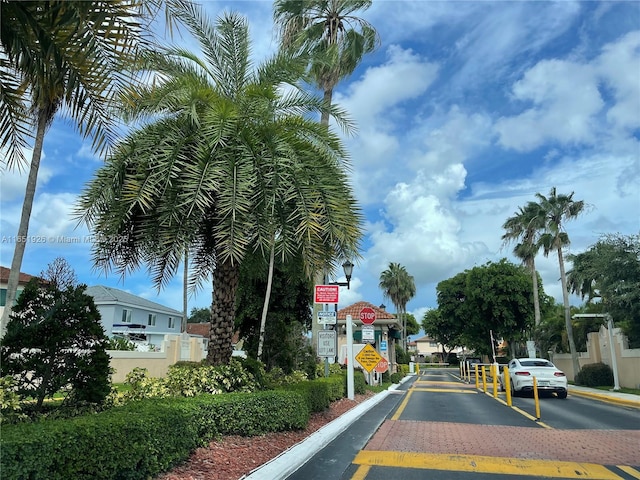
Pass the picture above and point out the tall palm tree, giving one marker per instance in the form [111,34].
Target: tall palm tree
[399,287]
[226,158]
[556,210]
[337,40]
[524,227]
[61,57]
[329,29]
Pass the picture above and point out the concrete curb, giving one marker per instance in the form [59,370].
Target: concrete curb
[606,398]
[292,459]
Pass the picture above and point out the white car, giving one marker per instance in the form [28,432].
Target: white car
[548,377]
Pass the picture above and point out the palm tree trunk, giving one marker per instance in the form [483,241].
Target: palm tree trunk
[328,98]
[185,301]
[225,285]
[267,297]
[567,315]
[23,229]
[536,297]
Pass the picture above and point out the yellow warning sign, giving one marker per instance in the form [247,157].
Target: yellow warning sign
[368,357]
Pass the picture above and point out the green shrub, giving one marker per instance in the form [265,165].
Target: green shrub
[123,344]
[315,392]
[595,375]
[396,377]
[143,438]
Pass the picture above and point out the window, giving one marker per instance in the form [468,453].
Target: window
[126,316]
[152,319]
[3,297]
[172,322]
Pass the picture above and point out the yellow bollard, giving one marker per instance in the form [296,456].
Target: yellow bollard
[477,381]
[535,397]
[494,376]
[418,368]
[484,380]
[507,385]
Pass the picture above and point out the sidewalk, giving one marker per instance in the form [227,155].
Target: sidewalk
[611,396]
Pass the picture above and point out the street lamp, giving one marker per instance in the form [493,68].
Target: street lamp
[348,271]
[612,348]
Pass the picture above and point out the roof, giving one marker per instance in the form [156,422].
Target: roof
[199,329]
[107,295]
[23,278]
[354,311]
[425,338]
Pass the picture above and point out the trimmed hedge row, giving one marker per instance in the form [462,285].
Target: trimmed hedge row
[143,438]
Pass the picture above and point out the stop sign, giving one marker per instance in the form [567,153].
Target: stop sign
[367,315]
[382,366]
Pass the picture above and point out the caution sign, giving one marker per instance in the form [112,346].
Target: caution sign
[368,357]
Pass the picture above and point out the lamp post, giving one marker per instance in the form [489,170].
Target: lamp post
[347,266]
[612,348]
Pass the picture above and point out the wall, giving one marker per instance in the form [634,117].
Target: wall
[174,348]
[598,350]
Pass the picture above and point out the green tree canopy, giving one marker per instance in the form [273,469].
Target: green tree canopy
[607,274]
[199,315]
[225,159]
[496,297]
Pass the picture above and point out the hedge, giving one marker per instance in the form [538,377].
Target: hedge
[143,438]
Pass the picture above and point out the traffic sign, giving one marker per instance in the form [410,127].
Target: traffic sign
[367,315]
[368,334]
[327,343]
[368,357]
[327,293]
[382,366]
[327,317]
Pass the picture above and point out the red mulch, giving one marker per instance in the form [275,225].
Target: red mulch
[234,456]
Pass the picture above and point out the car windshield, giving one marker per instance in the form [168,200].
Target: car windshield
[535,363]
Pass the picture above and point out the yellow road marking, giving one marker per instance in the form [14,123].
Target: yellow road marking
[629,471]
[484,464]
[439,382]
[445,390]
[361,473]
[402,406]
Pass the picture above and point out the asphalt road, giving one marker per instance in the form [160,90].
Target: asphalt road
[438,427]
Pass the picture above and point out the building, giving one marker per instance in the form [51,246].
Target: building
[23,279]
[386,331]
[134,318]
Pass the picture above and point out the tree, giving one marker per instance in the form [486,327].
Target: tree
[493,298]
[556,209]
[336,39]
[524,227]
[607,274]
[438,328]
[199,315]
[283,340]
[60,274]
[54,60]
[412,324]
[54,340]
[399,287]
[225,158]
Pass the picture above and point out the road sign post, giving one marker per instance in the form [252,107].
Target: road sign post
[327,343]
[368,357]
[350,385]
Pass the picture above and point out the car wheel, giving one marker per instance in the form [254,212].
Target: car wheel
[562,394]
[514,393]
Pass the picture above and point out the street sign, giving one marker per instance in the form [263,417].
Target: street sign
[367,315]
[382,366]
[327,343]
[327,317]
[326,294]
[383,345]
[368,334]
[368,357]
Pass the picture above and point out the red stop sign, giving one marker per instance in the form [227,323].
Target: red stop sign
[367,315]
[382,366]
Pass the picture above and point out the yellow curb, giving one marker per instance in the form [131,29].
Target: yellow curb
[607,398]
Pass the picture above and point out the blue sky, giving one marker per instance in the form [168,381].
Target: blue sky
[465,112]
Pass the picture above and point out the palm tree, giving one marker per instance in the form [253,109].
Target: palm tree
[525,227]
[335,37]
[399,287]
[54,59]
[336,40]
[226,160]
[556,209]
